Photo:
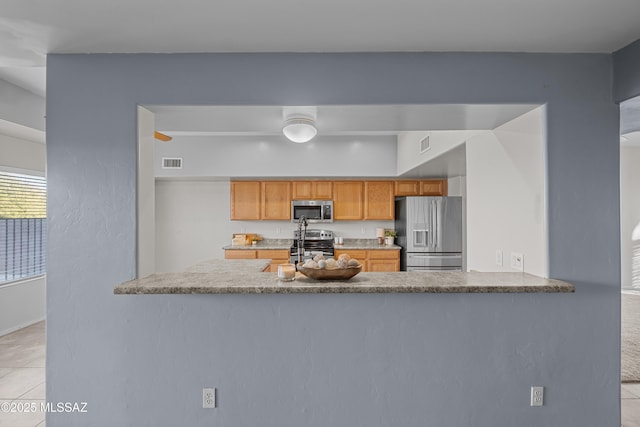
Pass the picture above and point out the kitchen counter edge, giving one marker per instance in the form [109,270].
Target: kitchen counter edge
[243,282]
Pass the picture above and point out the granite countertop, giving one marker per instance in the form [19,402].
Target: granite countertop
[364,244]
[219,266]
[245,277]
[263,244]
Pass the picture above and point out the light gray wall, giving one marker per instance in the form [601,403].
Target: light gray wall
[273,156]
[21,304]
[20,106]
[192,223]
[318,360]
[506,196]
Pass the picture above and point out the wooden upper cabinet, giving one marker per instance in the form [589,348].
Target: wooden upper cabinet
[426,187]
[312,190]
[245,200]
[407,188]
[322,190]
[436,187]
[276,200]
[347,200]
[379,200]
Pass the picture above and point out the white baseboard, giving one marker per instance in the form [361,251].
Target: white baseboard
[20,326]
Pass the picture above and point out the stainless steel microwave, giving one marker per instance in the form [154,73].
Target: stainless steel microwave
[312,210]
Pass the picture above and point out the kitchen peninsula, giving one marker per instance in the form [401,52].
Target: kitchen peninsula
[247,277]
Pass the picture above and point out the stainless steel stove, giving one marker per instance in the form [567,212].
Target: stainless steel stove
[315,242]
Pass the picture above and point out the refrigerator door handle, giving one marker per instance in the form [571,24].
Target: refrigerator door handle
[435,221]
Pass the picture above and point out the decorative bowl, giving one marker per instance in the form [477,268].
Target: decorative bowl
[330,274]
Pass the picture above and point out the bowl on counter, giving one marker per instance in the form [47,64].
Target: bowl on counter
[330,273]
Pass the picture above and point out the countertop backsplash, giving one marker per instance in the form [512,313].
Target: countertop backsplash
[284,229]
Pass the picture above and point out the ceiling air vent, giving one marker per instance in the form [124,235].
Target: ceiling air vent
[424,144]
[172,163]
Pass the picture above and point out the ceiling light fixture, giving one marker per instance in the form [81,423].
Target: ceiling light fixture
[299,129]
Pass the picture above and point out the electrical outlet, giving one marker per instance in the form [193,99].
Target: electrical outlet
[208,398]
[537,396]
[278,230]
[517,261]
[363,230]
[499,257]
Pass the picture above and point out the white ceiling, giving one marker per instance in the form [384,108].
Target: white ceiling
[31,29]
[332,120]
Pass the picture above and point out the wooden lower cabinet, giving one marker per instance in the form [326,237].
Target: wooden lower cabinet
[375,260]
[383,265]
[277,256]
[360,255]
[239,254]
[383,260]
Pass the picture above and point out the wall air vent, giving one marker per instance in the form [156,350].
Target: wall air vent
[424,144]
[172,163]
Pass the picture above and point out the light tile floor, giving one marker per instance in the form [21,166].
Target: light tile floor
[22,380]
[630,404]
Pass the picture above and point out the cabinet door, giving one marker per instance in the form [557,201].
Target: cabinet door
[347,200]
[277,257]
[322,190]
[382,260]
[358,254]
[276,200]
[393,254]
[312,190]
[433,187]
[239,254]
[407,188]
[245,200]
[301,190]
[378,200]
[383,265]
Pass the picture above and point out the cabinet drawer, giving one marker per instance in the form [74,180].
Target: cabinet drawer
[383,265]
[239,254]
[358,254]
[384,254]
[273,254]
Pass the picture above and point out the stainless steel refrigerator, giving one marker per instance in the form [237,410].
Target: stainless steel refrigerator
[429,229]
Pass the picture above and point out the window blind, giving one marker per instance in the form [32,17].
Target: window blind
[22,226]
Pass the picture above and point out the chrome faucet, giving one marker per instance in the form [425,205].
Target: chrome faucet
[302,222]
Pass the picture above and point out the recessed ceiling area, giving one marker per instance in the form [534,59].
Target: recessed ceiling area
[242,127]
[334,120]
